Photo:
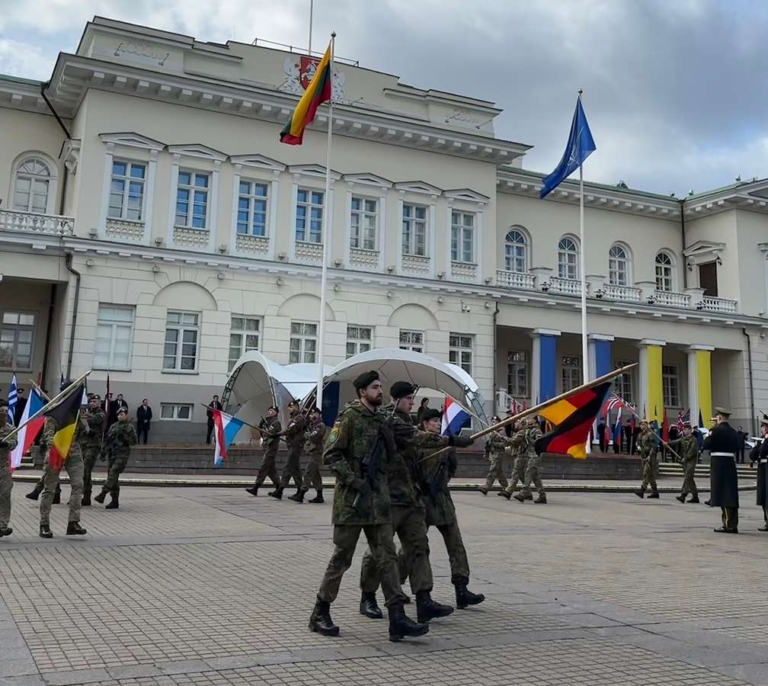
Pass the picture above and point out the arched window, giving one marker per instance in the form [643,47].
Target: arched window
[619,266]
[665,272]
[32,186]
[516,252]
[568,258]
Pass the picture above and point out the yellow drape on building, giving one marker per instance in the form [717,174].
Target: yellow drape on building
[655,395]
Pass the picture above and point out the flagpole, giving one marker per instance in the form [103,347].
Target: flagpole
[582,272]
[311,12]
[327,228]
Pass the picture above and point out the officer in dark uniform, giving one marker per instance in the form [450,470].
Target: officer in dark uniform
[760,455]
[723,444]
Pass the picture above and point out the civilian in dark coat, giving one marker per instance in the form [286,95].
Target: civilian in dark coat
[213,405]
[143,420]
[601,436]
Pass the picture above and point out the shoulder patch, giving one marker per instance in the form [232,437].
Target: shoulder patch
[334,435]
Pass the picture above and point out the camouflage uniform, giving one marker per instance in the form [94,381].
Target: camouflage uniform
[6,483]
[525,441]
[117,445]
[90,445]
[520,465]
[346,447]
[689,454]
[294,439]
[74,466]
[647,444]
[314,437]
[270,442]
[497,444]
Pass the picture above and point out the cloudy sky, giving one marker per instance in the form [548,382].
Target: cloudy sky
[675,90]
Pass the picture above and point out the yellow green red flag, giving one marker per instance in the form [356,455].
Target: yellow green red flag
[318,92]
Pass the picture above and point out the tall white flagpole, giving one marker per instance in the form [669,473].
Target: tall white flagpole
[582,273]
[311,12]
[327,228]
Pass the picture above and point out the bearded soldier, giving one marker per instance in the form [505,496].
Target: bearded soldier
[314,438]
[90,442]
[496,445]
[6,483]
[648,445]
[723,444]
[270,441]
[689,456]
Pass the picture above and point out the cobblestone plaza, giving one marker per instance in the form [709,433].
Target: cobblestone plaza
[210,586]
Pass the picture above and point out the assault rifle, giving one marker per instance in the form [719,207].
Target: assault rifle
[370,463]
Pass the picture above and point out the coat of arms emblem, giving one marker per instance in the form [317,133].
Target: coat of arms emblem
[299,71]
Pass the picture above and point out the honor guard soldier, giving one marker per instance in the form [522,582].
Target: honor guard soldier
[689,456]
[90,442]
[761,457]
[294,440]
[270,441]
[117,448]
[496,445]
[723,444]
[648,446]
[314,438]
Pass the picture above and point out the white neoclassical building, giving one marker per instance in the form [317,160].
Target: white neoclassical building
[153,229]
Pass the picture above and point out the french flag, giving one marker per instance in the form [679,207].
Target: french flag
[226,428]
[454,417]
[29,430]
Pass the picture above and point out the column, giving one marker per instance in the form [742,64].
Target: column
[700,383]
[651,403]
[544,365]
[600,354]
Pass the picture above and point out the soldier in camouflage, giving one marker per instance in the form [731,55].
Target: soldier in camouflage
[6,483]
[314,437]
[496,446]
[362,505]
[519,450]
[524,442]
[117,447]
[90,442]
[294,440]
[689,456]
[270,441]
[648,445]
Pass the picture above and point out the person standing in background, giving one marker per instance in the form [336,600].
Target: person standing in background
[213,405]
[143,419]
[21,403]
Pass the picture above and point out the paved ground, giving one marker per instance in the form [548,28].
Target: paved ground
[211,586]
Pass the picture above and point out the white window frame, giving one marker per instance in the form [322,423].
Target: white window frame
[125,195]
[570,372]
[619,266]
[517,360]
[176,411]
[463,236]
[49,179]
[252,200]
[665,272]
[670,383]
[357,341]
[568,258]
[245,333]
[17,328]
[182,328]
[516,253]
[624,384]
[461,350]
[411,225]
[302,333]
[309,205]
[192,201]
[411,340]
[360,237]
[104,322]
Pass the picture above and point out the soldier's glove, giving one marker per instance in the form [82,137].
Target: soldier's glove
[460,441]
[5,444]
[362,487]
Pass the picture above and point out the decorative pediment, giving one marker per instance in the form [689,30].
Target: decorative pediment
[368,180]
[466,194]
[132,140]
[418,187]
[702,252]
[313,170]
[196,150]
[258,162]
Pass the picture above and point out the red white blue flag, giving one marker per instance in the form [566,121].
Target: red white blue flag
[226,428]
[454,417]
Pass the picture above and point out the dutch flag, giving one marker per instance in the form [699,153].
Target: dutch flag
[226,428]
[454,417]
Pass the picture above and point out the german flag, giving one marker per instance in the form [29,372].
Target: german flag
[318,92]
[66,414]
[572,418]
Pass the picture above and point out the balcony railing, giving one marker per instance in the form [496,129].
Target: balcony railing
[505,279]
[29,222]
[670,299]
[711,304]
[625,294]
[565,286]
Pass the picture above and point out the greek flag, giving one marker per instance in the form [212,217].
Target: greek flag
[13,399]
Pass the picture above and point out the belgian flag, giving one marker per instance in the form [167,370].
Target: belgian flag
[66,413]
[318,92]
[572,418]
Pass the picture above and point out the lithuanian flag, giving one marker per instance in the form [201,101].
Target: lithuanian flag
[318,92]
[572,418]
[66,414]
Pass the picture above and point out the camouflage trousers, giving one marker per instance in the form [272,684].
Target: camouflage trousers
[116,467]
[381,542]
[650,466]
[89,461]
[457,555]
[409,523]
[496,472]
[689,485]
[6,485]
[533,476]
[268,469]
[292,469]
[312,477]
[518,472]
[74,468]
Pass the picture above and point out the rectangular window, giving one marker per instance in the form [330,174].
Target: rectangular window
[309,216]
[114,338]
[571,372]
[181,412]
[624,385]
[463,237]
[359,339]
[303,344]
[412,340]
[243,336]
[517,374]
[252,208]
[17,334]
[670,386]
[415,230]
[126,194]
[192,200]
[362,220]
[181,340]
[460,351]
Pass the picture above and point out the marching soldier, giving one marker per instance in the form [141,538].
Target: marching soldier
[270,441]
[689,456]
[519,466]
[361,444]
[6,482]
[723,444]
[294,439]
[90,442]
[524,441]
[314,438]
[647,445]
[117,446]
[496,445]
[759,454]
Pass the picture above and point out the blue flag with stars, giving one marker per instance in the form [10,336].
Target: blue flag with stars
[580,146]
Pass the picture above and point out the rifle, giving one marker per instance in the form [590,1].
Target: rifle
[370,463]
[435,483]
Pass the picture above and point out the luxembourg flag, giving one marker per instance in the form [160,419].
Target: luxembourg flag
[226,428]
[454,417]
[28,432]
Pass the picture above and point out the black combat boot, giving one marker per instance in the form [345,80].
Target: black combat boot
[406,599]
[100,498]
[694,499]
[541,499]
[34,494]
[253,490]
[318,498]
[86,501]
[483,490]
[681,497]
[504,494]
[5,531]
[114,504]
[400,625]
[74,529]
[369,607]
[427,608]
[654,494]
[298,497]
[277,493]
[522,497]
[465,597]
[320,621]
[57,496]
[640,492]
[45,531]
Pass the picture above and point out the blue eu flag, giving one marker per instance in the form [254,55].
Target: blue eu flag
[580,146]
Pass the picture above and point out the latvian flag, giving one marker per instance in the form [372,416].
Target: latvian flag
[226,428]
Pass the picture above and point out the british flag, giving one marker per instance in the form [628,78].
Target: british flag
[682,419]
